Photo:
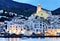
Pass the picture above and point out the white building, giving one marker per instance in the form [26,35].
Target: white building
[37,23]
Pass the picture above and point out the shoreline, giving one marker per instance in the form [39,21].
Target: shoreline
[28,36]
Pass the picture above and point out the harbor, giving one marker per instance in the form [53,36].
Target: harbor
[29,39]
[41,23]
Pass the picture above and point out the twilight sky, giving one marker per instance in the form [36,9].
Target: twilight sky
[47,4]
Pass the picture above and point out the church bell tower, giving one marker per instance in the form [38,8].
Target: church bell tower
[40,12]
[38,7]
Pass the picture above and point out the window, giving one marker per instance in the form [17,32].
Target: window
[31,28]
[46,27]
[19,26]
[16,26]
[40,24]
[28,29]
[36,29]
[59,18]
[41,14]
[10,26]
[43,25]
[24,28]
[10,23]
[21,29]
[35,26]
[40,27]
[39,30]
[40,21]
[13,26]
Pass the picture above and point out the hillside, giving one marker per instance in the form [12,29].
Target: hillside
[56,12]
[19,8]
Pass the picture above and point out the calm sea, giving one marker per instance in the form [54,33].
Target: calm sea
[29,39]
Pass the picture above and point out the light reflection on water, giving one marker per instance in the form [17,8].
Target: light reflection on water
[29,39]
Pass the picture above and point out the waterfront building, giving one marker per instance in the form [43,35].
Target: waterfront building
[35,24]
[2,27]
[55,21]
[15,23]
[40,22]
[1,11]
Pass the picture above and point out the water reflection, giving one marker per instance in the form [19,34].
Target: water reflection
[30,39]
[12,39]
